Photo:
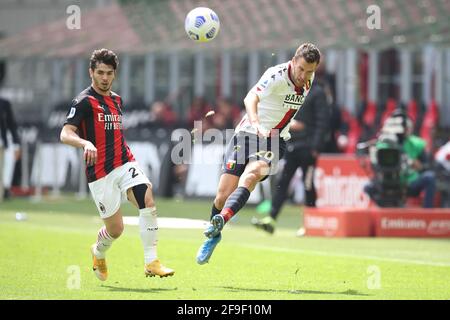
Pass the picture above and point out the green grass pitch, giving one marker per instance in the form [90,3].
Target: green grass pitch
[47,257]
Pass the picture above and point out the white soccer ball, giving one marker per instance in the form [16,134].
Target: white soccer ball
[202,24]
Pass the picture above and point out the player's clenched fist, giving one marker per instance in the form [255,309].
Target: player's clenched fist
[260,130]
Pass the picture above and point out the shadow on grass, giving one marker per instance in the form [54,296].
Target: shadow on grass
[149,290]
[348,292]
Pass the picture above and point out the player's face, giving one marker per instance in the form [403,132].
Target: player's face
[302,71]
[102,77]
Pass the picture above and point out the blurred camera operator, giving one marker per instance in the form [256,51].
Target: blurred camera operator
[417,177]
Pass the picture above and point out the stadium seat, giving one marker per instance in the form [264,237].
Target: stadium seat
[391,104]
[369,115]
[417,202]
[369,121]
[412,110]
[430,121]
[354,131]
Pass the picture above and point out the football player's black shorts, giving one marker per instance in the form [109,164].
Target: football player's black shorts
[245,147]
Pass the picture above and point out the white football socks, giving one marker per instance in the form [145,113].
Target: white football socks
[148,226]
[104,241]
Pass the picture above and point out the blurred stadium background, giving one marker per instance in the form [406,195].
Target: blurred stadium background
[370,72]
[167,82]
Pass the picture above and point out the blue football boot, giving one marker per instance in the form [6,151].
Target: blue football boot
[207,248]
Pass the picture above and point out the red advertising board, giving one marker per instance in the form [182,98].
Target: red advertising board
[411,222]
[378,222]
[339,181]
[344,210]
[337,222]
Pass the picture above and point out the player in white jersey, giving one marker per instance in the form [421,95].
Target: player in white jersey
[259,139]
[279,100]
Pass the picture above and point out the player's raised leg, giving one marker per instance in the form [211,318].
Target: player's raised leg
[142,197]
[112,230]
[227,184]
[254,172]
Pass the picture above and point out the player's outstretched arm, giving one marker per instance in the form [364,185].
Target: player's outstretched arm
[251,107]
[69,136]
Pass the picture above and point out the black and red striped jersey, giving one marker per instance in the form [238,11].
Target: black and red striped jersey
[99,120]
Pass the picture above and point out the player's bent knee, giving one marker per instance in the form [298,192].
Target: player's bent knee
[115,231]
[143,198]
[221,197]
[219,202]
[149,202]
[252,177]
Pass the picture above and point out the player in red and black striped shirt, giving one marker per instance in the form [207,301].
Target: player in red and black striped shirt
[99,120]
[94,123]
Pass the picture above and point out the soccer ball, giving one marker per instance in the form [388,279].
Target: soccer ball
[202,24]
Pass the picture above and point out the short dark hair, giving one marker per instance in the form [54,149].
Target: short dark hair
[309,52]
[105,56]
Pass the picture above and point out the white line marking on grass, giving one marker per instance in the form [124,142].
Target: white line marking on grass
[171,223]
[345,255]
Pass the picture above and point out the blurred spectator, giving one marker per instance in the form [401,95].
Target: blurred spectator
[162,115]
[7,123]
[442,158]
[172,177]
[335,123]
[197,111]
[227,115]
[419,177]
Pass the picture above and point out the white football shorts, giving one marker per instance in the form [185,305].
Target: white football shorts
[107,191]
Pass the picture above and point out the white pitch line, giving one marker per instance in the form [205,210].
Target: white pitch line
[170,223]
[345,255]
[199,223]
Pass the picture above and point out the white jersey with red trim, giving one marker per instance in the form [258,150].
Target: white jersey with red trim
[279,100]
